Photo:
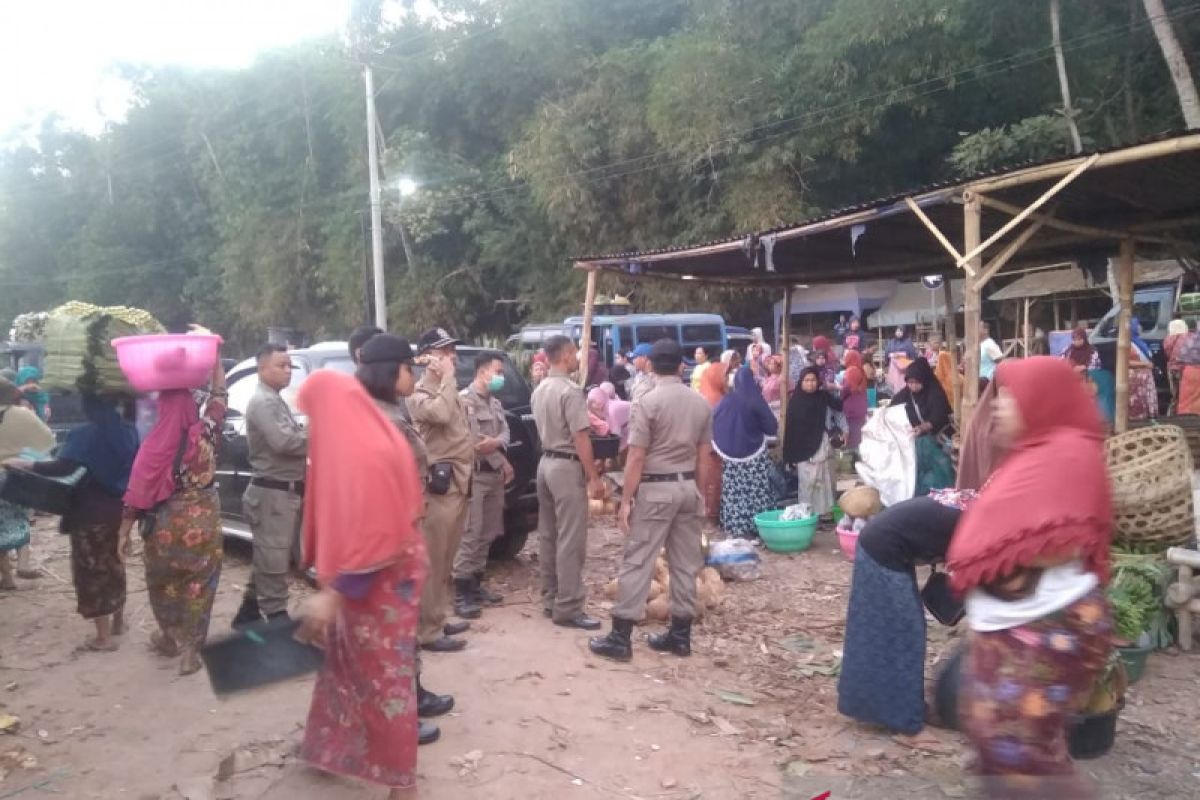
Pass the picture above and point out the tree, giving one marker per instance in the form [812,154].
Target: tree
[1181,73]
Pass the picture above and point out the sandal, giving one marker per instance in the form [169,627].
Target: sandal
[91,645]
[162,645]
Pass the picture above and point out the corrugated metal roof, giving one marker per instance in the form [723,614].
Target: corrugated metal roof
[1072,280]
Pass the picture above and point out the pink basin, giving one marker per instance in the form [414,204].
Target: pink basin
[157,362]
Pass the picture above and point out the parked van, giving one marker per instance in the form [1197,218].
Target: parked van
[1154,307]
[621,333]
[531,337]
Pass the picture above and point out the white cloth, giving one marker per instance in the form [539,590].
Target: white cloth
[888,455]
[1057,588]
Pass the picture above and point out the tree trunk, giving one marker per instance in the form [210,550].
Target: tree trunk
[1063,83]
[1181,73]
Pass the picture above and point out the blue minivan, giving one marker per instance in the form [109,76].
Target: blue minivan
[623,332]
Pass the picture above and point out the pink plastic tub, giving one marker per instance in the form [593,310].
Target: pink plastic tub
[848,540]
[156,362]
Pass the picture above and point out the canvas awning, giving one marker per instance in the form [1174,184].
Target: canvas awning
[913,303]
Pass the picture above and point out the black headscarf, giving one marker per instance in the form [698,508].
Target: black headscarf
[806,418]
[928,405]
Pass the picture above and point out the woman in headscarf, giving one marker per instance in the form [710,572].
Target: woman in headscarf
[20,429]
[806,443]
[105,445]
[597,406]
[715,382]
[772,385]
[617,411]
[28,381]
[1143,394]
[741,424]
[362,507]
[854,397]
[1082,356]
[928,410]
[1031,556]
[899,353]
[943,368]
[1188,355]
[1177,334]
[172,490]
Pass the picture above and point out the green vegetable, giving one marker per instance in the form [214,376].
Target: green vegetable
[1136,594]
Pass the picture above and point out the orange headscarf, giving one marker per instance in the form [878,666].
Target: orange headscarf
[1050,496]
[943,370]
[852,358]
[713,384]
[362,498]
[855,379]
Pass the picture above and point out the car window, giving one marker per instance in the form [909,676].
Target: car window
[649,334]
[701,334]
[1146,312]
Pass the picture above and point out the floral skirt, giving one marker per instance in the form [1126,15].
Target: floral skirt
[14,526]
[96,569]
[745,492]
[1019,688]
[1189,391]
[1143,394]
[183,564]
[363,718]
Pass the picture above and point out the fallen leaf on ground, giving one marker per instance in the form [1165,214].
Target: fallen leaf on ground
[796,643]
[733,697]
[725,727]
[271,752]
[9,723]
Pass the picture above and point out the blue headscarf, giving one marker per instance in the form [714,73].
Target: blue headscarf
[105,444]
[743,419]
[1135,335]
[39,399]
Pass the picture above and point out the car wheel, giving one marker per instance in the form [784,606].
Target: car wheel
[508,546]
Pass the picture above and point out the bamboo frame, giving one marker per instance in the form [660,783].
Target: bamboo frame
[1124,336]
[1050,221]
[952,346]
[786,345]
[937,233]
[589,302]
[1010,250]
[1029,209]
[1027,332]
[972,310]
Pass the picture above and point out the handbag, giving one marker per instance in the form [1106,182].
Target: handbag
[938,598]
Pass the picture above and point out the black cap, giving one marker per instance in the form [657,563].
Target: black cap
[435,339]
[666,355]
[387,348]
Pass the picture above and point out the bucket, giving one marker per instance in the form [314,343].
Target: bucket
[1092,735]
[1135,661]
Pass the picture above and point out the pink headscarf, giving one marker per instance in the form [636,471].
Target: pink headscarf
[597,406]
[152,479]
[618,412]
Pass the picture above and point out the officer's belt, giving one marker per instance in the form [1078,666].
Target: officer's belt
[559,454]
[669,477]
[284,486]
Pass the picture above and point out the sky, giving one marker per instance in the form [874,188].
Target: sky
[58,56]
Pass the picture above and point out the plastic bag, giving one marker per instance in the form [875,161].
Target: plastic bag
[735,560]
[796,512]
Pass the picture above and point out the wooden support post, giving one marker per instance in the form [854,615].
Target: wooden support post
[952,346]
[972,307]
[786,345]
[585,342]
[1027,333]
[1124,336]
[1074,313]
[1057,316]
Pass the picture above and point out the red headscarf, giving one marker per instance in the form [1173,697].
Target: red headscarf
[821,345]
[713,383]
[1050,497]
[152,479]
[855,379]
[362,498]
[852,358]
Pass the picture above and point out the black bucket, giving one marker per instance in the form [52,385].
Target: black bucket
[605,446]
[1092,735]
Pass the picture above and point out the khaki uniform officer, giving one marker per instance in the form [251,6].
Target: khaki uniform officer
[275,497]
[670,438]
[485,516]
[560,413]
[440,416]
[643,376]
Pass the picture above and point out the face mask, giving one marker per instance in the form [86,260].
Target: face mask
[495,383]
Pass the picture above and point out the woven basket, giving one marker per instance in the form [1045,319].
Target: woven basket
[1191,429]
[1151,474]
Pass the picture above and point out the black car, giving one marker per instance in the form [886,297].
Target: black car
[520,507]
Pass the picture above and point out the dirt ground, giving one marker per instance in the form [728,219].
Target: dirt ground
[751,715]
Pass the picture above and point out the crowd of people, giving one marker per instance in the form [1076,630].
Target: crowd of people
[393,491]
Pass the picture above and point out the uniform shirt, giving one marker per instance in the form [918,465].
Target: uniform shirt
[398,415]
[278,445]
[670,421]
[642,383]
[489,421]
[440,417]
[559,411]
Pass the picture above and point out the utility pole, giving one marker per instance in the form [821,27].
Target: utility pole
[376,200]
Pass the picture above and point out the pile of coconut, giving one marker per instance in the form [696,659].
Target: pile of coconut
[710,590]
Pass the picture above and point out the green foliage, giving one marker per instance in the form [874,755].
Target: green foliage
[539,130]
[1136,592]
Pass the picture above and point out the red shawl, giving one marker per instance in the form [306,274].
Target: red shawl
[362,497]
[152,479]
[1051,496]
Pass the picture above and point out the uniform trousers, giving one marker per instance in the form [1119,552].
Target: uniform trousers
[664,514]
[275,518]
[445,515]
[485,523]
[562,534]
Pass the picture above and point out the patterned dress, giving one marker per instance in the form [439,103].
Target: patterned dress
[363,718]
[1143,394]
[745,488]
[183,553]
[1020,687]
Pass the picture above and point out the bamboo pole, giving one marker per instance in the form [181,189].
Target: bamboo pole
[1124,335]
[972,310]
[1048,195]
[1027,333]
[1050,221]
[1057,316]
[952,346]
[937,233]
[1010,250]
[786,344]
[589,301]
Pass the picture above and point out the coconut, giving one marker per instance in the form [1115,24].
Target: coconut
[861,502]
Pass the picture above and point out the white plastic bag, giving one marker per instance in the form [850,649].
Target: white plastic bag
[735,560]
[796,512]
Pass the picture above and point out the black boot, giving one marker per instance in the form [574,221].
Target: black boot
[483,596]
[616,645]
[465,605]
[677,639]
[430,704]
[248,614]
[427,732]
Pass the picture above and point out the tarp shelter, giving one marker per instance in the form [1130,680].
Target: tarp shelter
[853,298]
[1094,204]
[913,303]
